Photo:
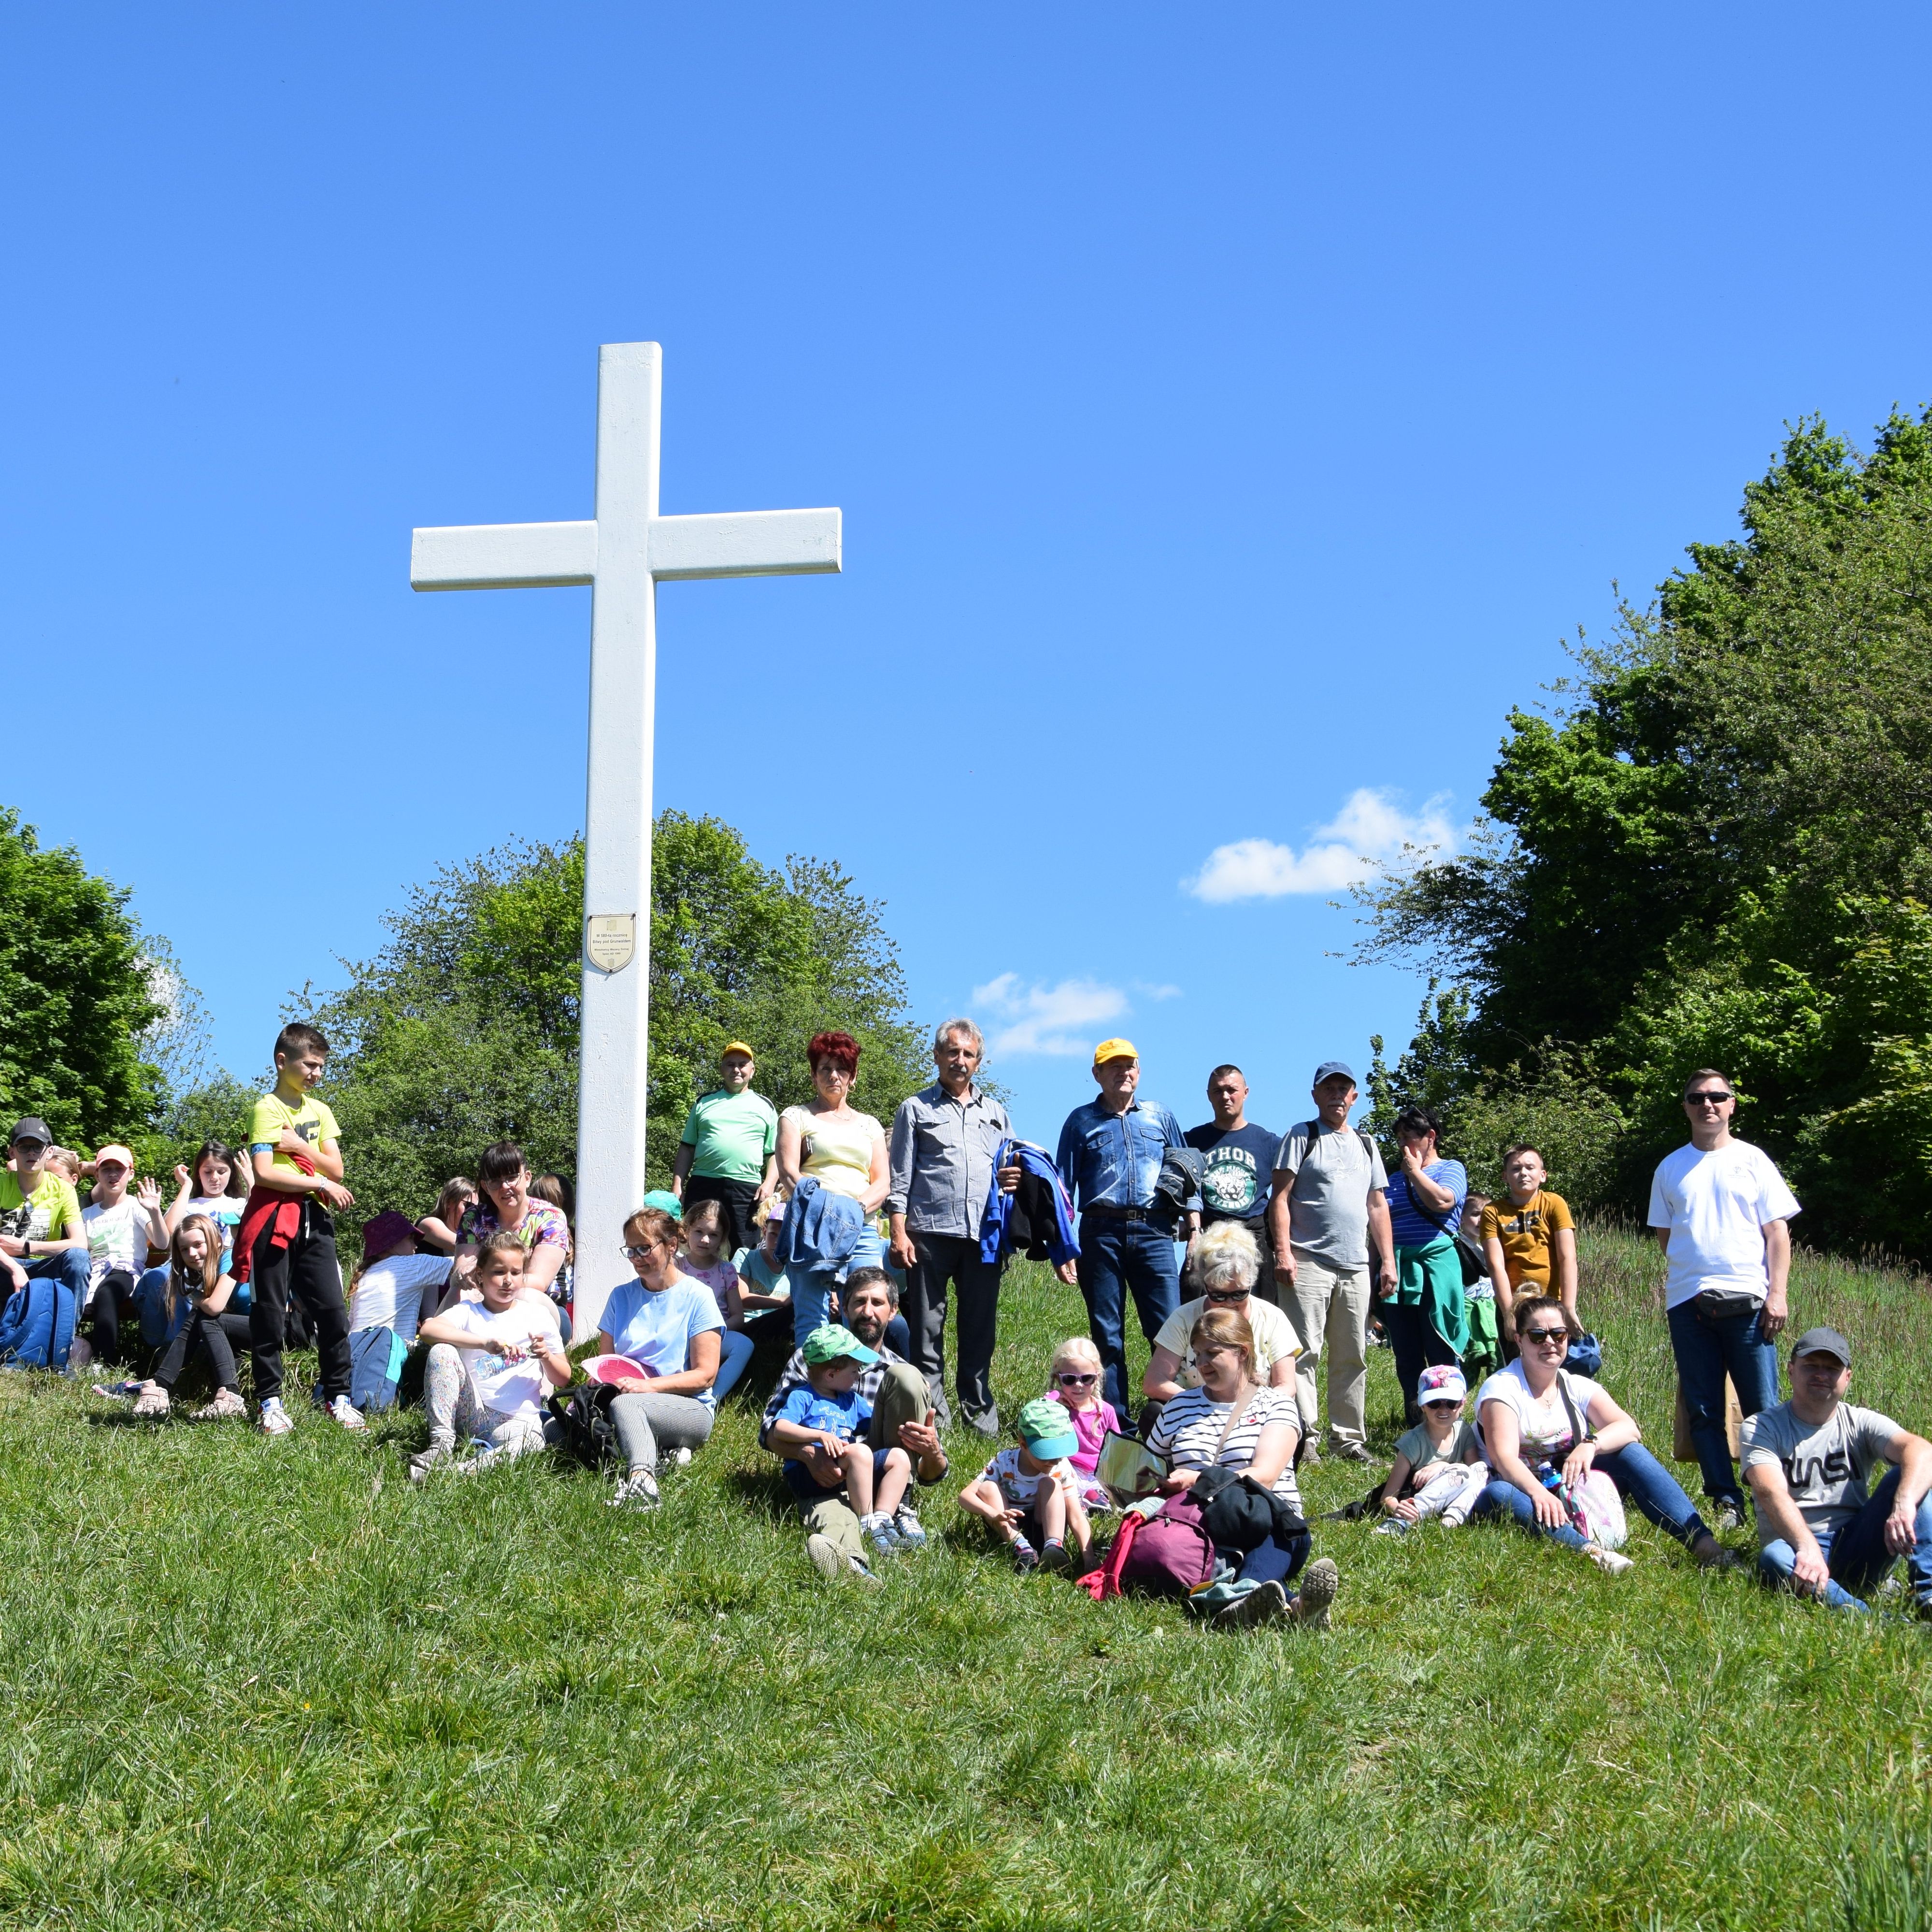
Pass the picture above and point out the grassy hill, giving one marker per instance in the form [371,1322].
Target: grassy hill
[253,1684]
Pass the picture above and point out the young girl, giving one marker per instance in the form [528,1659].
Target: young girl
[1073,1381]
[702,1259]
[491,1363]
[1030,1492]
[196,1276]
[1439,1469]
[436,1232]
[215,1183]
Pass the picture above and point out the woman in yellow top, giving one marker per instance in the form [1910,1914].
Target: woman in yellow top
[1530,1240]
[844,1150]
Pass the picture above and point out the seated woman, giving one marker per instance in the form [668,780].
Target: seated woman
[218,1322]
[669,1325]
[1224,1265]
[844,1151]
[1230,1420]
[436,1232]
[507,1205]
[1532,1415]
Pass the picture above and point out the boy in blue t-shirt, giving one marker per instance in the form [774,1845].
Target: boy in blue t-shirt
[820,1430]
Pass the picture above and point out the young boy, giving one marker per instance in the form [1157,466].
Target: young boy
[123,1230]
[285,1244]
[730,1150]
[41,1232]
[491,1363]
[1033,1488]
[1439,1469]
[1531,1237]
[819,1429]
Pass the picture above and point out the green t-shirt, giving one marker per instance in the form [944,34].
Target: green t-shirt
[44,1215]
[311,1121]
[733,1135]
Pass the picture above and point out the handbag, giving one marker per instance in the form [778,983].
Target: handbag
[1726,1304]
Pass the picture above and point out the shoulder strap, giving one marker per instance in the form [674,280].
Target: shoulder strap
[1234,1414]
[1579,1422]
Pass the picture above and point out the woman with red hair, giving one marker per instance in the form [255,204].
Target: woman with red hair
[844,1150]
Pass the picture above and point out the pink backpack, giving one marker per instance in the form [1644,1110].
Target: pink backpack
[1171,1555]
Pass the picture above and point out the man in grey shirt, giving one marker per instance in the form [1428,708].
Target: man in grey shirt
[945,1140]
[1329,1206]
[1825,1532]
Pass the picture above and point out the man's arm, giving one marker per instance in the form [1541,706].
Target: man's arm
[1280,1219]
[680,1168]
[1777,1308]
[1381,1234]
[771,1180]
[1563,1271]
[1776,1512]
[1913,1455]
[325,1156]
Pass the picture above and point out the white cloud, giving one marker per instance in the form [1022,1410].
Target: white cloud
[1369,829]
[1047,1019]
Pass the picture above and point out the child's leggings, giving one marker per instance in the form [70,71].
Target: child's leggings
[1452,1494]
[454,1409]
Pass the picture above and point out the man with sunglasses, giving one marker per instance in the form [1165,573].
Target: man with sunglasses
[1721,1211]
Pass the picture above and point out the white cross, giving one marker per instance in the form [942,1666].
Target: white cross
[622,554]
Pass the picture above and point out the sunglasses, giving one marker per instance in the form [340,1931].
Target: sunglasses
[1077,1382]
[1217,1294]
[1443,1401]
[1545,1335]
[1707,1099]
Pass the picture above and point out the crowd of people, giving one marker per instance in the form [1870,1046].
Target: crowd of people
[835,1244]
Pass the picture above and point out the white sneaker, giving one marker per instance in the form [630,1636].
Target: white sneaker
[276,1420]
[638,1490]
[425,1460]
[683,1458]
[825,1557]
[1319,1582]
[1612,1562]
[227,1402]
[343,1411]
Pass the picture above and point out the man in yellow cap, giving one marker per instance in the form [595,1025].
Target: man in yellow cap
[1110,1156]
[729,1153]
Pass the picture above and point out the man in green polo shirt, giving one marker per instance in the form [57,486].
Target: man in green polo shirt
[730,1150]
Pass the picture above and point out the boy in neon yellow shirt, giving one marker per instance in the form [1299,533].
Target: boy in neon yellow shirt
[286,1243]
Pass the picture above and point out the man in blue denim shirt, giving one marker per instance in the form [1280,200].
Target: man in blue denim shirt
[1110,1156]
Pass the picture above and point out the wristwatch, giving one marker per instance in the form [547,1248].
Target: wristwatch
[26,1250]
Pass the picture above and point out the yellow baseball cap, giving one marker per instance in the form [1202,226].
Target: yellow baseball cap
[1114,1049]
[732,1046]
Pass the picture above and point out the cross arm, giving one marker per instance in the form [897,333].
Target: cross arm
[746,543]
[504,556]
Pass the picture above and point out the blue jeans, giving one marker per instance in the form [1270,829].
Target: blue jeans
[1116,1257]
[71,1267]
[1273,1562]
[1706,1352]
[811,1290]
[1641,1481]
[1855,1554]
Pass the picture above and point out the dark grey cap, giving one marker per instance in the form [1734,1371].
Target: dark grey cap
[1329,1069]
[1822,1342]
[31,1128]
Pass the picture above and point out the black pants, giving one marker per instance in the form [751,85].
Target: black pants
[103,1312]
[945,1261]
[219,1334]
[1416,1347]
[306,1270]
[735,1198]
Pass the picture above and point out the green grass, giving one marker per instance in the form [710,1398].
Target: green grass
[255,1684]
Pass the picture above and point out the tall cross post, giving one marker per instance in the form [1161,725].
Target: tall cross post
[623,553]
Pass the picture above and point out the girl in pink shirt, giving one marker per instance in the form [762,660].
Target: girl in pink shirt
[1073,1380]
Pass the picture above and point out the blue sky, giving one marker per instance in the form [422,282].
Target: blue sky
[1232,413]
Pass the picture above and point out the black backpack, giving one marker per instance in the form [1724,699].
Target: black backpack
[584,1427]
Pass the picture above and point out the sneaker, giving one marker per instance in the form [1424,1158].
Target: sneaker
[880,1534]
[344,1411]
[1054,1556]
[227,1402]
[681,1458]
[1261,1605]
[1319,1582]
[276,1420]
[1392,1525]
[152,1403]
[1026,1558]
[1350,1452]
[825,1557]
[638,1490]
[986,1424]
[425,1460]
[907,1526]
[1730,1514]
[861,1573]
[1611,1562]
[1311,1456]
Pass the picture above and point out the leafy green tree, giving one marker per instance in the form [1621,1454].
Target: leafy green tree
[80,998]
[464,1028]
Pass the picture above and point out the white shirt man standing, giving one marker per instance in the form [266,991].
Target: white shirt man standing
[1721,1211]
[1330,1209]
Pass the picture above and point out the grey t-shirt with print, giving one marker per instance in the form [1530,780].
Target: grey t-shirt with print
[1330,1177]
[1827,1468]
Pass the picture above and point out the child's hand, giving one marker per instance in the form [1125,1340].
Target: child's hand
[148,1194]
[180,1177]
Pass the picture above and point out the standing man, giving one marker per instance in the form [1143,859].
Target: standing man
[1721,1211]
[1110,1156]
[1241,1169]
[945,1141]
[729,1152]
[1329,1210]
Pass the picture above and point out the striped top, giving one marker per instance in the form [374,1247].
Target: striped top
[1188,1428]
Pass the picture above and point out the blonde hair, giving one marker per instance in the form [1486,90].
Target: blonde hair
[1222,1328]
[1077,1352]
[1226,1256]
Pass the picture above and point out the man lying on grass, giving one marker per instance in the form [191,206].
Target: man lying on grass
[901,1417]
[1809,1462]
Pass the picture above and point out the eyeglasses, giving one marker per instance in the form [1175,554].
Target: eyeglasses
[1219,1294]
[1545,1335]
[1707,1099]
[1076,1381]
[638,1254]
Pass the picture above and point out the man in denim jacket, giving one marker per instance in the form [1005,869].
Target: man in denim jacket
[1110,1156]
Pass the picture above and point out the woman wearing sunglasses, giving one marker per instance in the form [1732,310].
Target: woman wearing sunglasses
[1224,1265]
[1536,1414]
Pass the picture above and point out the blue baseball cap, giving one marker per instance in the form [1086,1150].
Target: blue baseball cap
[1329,1069]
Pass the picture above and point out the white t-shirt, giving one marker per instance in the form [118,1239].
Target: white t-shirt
[511,1389]
[117,1237]
[1716,1205]
[1542,1428]
[391,1293]
[1022,1489]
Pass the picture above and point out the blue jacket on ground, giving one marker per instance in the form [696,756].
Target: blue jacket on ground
[1037,1218]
